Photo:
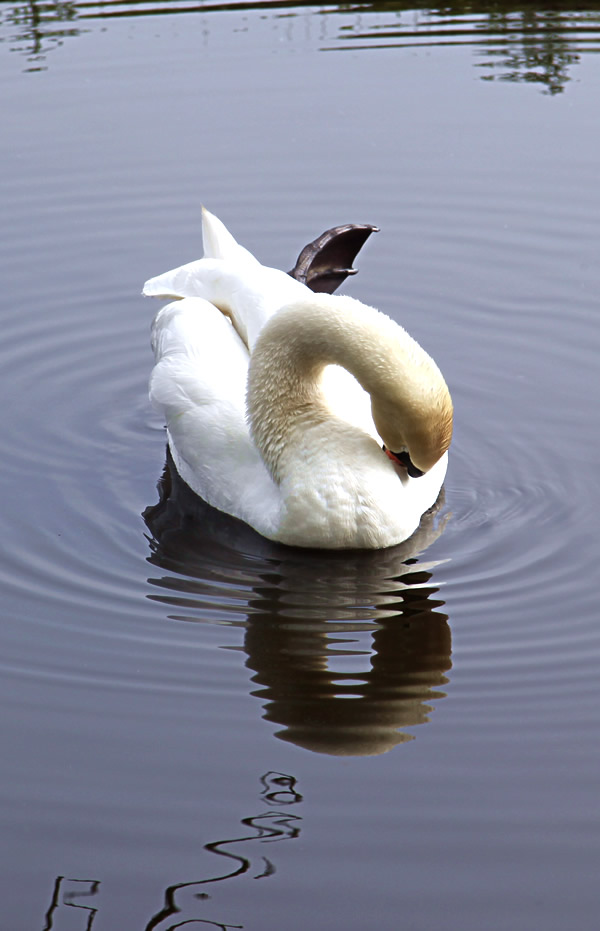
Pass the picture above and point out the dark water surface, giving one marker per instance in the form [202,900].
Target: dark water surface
[421,726]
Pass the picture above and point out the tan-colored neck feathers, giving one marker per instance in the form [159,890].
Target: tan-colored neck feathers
[411,404]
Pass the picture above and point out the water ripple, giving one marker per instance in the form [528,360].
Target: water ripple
[84,449]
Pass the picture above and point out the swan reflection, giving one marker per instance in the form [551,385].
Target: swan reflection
[347,648]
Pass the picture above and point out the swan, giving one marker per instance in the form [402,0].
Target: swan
[277,401]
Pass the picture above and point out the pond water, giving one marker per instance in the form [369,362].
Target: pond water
[420,725]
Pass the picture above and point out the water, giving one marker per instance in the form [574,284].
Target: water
[420,725]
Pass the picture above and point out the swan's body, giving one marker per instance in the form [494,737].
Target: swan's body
[264,425]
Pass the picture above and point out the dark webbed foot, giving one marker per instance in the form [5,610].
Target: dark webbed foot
[327,261]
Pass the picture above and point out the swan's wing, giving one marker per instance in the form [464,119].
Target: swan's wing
[194,279]
[248,292]
[201,364]
[231,279]
[199,386]
[327,261]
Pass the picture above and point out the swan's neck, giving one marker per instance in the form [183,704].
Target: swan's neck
[285,399]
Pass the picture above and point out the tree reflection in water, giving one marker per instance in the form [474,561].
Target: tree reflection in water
[73,894]
[537,47]
[187,903]
[183,901]
[537,44]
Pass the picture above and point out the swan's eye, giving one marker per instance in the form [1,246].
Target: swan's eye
[404,459]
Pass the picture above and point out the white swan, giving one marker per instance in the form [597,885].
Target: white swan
[264,425]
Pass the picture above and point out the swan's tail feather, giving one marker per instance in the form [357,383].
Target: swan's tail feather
[219,243]
[186,281]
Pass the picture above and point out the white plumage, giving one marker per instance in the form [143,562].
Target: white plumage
[264,424]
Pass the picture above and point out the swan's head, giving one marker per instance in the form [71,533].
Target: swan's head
[416,425]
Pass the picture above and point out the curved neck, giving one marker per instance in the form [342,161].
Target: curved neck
[284,392]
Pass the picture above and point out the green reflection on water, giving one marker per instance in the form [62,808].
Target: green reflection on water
[527,43]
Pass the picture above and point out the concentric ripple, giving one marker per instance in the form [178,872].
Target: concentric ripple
[87,462]
[105,580]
